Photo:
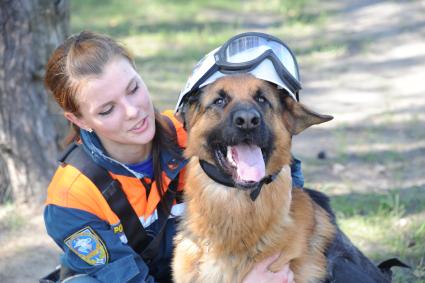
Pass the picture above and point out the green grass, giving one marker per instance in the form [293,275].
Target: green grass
[387,220]
[384,217]
[387,225]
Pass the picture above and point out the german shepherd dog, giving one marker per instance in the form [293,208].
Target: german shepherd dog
[241,207]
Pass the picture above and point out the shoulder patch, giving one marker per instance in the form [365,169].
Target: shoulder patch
[88,246]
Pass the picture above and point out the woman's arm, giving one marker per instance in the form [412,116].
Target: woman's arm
[92,247]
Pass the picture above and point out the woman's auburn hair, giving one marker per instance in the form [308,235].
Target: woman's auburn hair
[77,58]
[86,54]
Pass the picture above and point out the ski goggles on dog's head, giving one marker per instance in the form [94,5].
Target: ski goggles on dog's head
[262,55]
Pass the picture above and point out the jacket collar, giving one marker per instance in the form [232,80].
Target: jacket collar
[92,146]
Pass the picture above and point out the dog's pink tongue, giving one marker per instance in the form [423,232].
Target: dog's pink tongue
[249,161]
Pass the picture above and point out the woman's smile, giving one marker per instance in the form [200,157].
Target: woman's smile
[140,127]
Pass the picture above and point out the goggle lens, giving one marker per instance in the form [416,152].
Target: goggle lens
[245,49]
[248,48]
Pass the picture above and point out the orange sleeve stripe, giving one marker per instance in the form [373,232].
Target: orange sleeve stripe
[70,188]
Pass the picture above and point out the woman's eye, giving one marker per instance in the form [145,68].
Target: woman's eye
[106,112]
[134,90]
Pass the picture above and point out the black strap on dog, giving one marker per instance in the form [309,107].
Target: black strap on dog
[118,202]
[225,179]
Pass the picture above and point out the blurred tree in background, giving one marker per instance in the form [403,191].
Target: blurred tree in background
[29,31]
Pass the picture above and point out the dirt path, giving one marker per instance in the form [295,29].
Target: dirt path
[375,90]
[26,252]
[369,74]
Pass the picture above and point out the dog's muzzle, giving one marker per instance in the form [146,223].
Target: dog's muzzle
[240,147]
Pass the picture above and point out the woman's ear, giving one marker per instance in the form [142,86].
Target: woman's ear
[76,121]
[297,117]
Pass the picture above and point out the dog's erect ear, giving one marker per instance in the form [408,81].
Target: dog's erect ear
[298,117]
[185,113]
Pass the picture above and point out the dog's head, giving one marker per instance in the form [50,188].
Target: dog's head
[243,126]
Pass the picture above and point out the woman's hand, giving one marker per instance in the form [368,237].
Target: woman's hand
[261,274]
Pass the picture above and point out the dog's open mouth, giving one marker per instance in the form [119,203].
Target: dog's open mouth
[245,163]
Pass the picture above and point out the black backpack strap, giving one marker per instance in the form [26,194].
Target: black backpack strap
[113,194]
[163,213]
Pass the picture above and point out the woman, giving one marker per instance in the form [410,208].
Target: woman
[95,82]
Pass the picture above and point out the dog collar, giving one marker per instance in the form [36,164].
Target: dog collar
[225,179]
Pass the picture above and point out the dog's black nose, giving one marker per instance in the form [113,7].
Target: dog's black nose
[246,119]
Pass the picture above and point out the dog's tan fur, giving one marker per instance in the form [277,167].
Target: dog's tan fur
[224,233]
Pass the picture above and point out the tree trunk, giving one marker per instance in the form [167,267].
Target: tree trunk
[29,120]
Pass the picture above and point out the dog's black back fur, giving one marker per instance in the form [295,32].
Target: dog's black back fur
[346,263]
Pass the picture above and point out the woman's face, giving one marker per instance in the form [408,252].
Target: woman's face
[117,106]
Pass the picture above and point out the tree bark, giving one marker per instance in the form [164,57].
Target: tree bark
[29,120]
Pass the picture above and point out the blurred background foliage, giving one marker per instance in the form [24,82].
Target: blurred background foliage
[169,37]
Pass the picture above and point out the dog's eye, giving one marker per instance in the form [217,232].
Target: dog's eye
[219,101]
[260,99]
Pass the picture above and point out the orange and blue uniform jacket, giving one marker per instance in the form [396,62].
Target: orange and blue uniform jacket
[81,222]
